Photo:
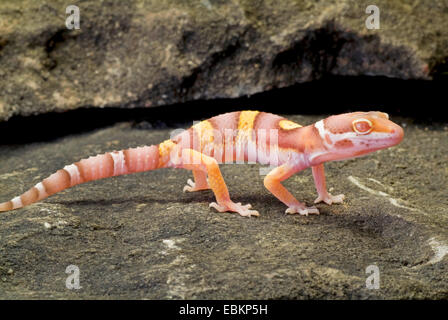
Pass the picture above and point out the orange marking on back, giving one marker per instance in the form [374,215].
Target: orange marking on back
[165,152]
[246,125]
[246,120]
[245,135]
[288,125]
[204,131]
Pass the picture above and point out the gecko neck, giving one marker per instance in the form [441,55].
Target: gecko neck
[312,147]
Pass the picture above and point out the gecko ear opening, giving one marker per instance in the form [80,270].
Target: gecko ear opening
[362,126]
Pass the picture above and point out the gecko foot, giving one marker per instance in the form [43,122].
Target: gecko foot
[191,187]
[243,210]
[302,210]
[329,199]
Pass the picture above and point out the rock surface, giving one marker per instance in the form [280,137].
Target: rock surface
[147,53]
[139,236]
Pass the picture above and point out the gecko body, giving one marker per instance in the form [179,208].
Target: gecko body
[244,136]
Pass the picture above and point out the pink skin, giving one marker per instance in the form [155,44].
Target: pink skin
[338,137]
[347,143]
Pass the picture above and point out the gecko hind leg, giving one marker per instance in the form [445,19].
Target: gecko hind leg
[200,182]
[216,182]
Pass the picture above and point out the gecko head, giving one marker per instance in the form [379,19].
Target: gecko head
[354,134]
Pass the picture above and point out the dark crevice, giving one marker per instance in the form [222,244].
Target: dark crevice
[439,70]
[218,57]
[228,51]
[319,47]
[188,81]
[187,85]
[3,43]
[333,49]
[56,39]
[422,101]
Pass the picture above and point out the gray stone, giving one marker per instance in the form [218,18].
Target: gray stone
[151,53]
[138,236]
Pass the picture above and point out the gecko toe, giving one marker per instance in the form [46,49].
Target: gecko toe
[339,198]
[217,207]
[330,199]
[239,208]
[191,187]
[303,211]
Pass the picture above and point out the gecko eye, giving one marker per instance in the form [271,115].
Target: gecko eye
[362,126]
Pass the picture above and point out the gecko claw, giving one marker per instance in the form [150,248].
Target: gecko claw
[230,206]
[302,210]
[329,199]
[191,187]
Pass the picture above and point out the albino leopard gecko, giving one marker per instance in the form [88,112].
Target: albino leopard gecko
[249,136]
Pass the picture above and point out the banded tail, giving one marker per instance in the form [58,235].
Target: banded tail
[102,166]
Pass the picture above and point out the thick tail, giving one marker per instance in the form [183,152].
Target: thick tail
[101,166]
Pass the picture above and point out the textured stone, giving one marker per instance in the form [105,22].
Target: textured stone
[138,236]
[150,53]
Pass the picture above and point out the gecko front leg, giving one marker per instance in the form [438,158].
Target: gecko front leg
[272,183]
[321,187]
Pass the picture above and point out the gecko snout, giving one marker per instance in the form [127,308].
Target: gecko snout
[397,133]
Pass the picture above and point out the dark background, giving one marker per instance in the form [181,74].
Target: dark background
[422,101]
